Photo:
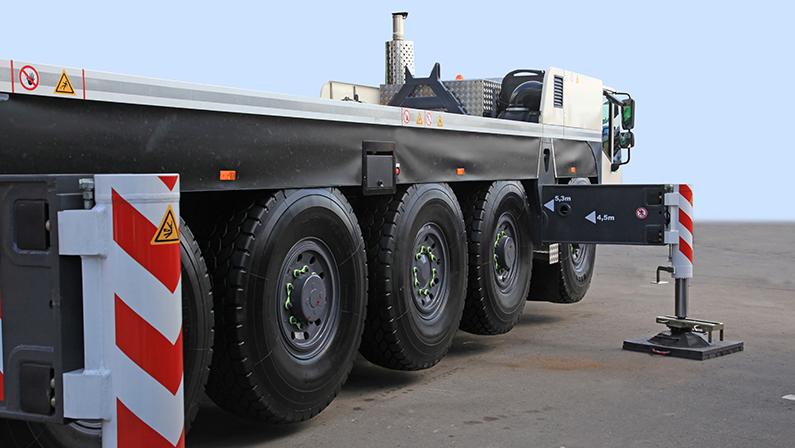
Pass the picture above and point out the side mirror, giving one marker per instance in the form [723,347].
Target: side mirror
[626,140]
[628,114]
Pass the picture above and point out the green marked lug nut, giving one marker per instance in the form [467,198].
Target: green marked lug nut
[288,304]
[298,272]
[295,322]
[419,254]
[499,237]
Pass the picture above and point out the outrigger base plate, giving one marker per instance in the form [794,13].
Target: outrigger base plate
[683,344]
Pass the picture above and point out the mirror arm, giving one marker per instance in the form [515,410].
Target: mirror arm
[622,93]
[615,101]
[614,166]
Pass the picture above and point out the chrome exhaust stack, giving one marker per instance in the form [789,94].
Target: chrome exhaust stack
[399,52]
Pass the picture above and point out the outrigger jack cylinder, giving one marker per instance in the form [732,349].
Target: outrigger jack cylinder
[684,338]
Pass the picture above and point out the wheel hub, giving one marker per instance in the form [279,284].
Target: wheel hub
[423,271]
[429,269]
[507,263]
[426,276]
[505,252]
[311,292]
[308,307]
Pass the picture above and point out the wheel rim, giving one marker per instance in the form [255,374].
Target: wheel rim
[430,266]
[309,305]
[505,254]
[579,255]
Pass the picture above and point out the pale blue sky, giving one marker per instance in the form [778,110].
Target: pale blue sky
[713,80]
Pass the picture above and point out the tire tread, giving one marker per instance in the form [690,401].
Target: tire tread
[232,385]
[381,344]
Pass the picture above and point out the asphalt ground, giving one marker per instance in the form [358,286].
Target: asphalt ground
[561,378]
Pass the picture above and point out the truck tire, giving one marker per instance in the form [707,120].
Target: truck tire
[500,257]
[568,280]
[416,248]
[290,279]
[197,323]
[197,337]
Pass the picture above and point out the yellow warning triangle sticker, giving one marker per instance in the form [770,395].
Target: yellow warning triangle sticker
[168,231]
[64,86]
[440,124]
[419,118]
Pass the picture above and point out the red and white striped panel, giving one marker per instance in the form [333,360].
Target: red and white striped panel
[683,250]
[145,358]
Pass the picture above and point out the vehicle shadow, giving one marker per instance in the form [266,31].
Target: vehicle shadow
[532,316]
[215,427]
[366,377]
[467,345]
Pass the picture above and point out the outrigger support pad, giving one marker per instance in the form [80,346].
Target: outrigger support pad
[684,338]
[683,344]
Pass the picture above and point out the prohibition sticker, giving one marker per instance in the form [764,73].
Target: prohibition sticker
[428,119]
[29,77]
[406,116]
[641,213]
[168,231]
[64,86]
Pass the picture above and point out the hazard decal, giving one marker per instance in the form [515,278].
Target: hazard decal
[168,231]
[64,86]
[28,77]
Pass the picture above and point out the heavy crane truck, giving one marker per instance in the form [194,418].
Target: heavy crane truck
[311,229]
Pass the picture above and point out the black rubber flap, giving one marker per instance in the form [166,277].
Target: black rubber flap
[35,391]
[30,225]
